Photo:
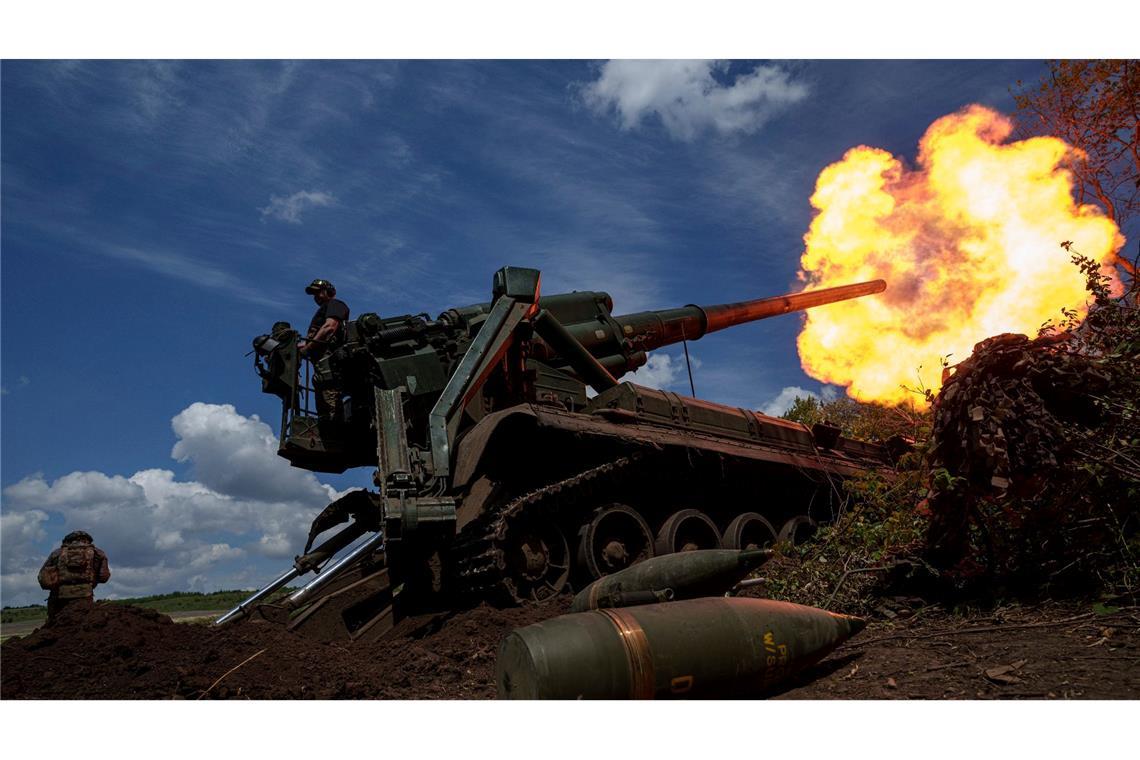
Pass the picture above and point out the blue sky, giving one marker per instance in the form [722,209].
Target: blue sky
[157,215]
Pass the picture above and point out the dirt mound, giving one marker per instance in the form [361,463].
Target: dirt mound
[118,652]
[123,652]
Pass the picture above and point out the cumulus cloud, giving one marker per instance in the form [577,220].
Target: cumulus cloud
[664,371]
[688,98]
[661,371]
[21,588]
[276,545]
[290,208]
[786,397]
[18,531]
[93,489]
[161,533]
[237,456]
[19,560]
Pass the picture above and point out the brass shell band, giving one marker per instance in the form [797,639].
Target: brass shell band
[641,677]
[595,588]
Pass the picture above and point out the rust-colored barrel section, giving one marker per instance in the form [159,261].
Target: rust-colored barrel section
[730,314]
[713,647]
[654,329]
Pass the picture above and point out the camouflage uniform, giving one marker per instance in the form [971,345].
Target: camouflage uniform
[326,382]
[71,573]
[327,387]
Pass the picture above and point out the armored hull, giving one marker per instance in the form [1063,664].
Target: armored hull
[638,473]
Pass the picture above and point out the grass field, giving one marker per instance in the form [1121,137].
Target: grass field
[179,601]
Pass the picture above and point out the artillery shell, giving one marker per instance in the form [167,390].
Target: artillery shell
[715,647]
[688,574]
[634,598]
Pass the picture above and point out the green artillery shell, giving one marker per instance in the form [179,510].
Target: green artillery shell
[688,574]
[714,647]
[634,598]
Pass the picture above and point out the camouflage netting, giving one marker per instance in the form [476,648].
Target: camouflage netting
[1035,457]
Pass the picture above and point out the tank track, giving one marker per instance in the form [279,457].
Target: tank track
[480,551]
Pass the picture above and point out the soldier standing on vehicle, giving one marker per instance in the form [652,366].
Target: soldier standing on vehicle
[326,331]
[72,571]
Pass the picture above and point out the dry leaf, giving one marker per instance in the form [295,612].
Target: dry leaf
[891,684]
[1002,675]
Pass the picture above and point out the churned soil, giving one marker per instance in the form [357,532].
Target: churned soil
[1053,651]
[120,652]
[123,652]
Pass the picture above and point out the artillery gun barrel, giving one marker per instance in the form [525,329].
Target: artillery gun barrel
[654,329]
[729,314]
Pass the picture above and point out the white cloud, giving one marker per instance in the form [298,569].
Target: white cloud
[661,371]
[20,588]
[783,401]
[687,97]
[276,545]
[17,532]
[288,209]
[214,553]
[237,456]
[93,489]
[665,371]
[187,269]
[163,534]
[19,560]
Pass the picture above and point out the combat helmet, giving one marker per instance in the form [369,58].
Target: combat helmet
[78,537]
[318,285]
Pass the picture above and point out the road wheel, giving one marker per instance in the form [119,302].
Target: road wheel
[538,561]
[749,531]
[614,539]
[798,530]
[687,530]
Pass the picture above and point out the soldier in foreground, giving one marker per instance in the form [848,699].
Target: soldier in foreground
[72,571]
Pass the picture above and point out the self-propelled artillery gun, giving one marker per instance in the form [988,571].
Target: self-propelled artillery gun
[500,474]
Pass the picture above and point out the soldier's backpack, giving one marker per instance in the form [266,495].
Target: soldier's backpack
[49,577]
[76,564]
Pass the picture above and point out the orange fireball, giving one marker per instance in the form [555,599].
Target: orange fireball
[968,242]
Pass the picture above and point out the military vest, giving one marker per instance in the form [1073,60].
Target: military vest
[76,564]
